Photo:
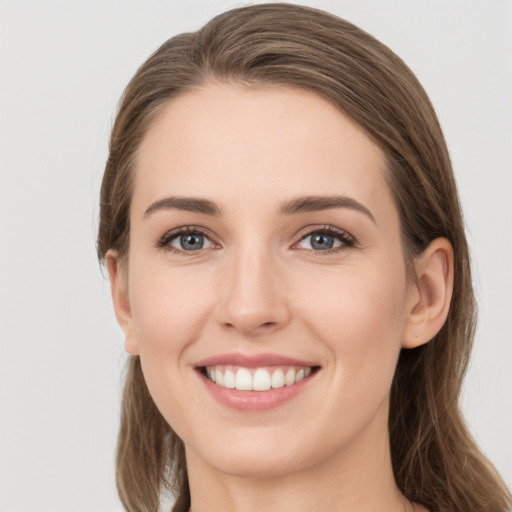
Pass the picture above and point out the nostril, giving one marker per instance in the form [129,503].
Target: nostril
[250,327]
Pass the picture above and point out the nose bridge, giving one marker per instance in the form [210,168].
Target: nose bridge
[254,300]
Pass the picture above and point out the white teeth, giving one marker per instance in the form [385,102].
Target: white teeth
[229,379]
[243,380]
[289,378]
[261,380]
[278,379]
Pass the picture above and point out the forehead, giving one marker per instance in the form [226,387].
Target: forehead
[232,142]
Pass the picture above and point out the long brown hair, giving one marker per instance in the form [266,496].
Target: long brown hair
[435,460]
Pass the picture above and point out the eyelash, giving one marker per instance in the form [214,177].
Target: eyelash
[165,241]
[347,241]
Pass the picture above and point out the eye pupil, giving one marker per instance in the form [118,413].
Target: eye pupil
[192,242]
[322,241]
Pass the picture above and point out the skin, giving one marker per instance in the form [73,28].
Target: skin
[259,287]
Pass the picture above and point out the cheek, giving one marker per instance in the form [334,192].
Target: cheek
[168,308]
[356,299]
[359,315]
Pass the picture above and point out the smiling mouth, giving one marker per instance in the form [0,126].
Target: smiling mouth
[256,379]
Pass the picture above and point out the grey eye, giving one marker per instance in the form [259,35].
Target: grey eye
[191,242]
[320,242]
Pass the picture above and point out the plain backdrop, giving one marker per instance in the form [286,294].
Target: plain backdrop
[63,66]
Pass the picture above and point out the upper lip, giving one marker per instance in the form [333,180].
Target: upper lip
[252,361]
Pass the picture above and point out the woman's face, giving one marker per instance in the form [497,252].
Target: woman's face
[265,247]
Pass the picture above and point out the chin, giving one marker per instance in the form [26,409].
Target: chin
[257,455]
[256,465]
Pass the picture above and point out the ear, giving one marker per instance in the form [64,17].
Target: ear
[430,294]
[119,287]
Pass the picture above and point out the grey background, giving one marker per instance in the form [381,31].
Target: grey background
[63,65]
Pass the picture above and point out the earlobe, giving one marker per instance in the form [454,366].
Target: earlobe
[121,300]
[430,294]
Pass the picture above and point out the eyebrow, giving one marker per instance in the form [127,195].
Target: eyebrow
[188,204]
[319,203]
[296,206]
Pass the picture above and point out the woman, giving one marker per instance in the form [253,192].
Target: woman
[288,262]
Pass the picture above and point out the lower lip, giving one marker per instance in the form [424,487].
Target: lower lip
[255,400]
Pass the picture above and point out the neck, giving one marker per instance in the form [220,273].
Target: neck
[358,478]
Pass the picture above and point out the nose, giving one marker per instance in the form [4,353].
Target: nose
[254,295]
